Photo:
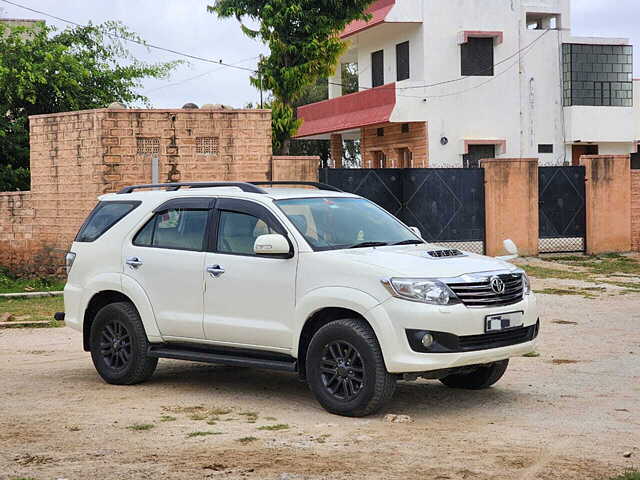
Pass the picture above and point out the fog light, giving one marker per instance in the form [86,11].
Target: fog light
[427,340]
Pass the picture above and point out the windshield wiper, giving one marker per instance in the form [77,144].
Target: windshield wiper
[409,242]
[369,244]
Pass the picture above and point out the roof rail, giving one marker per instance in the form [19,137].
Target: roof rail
[319,186]
[172,187]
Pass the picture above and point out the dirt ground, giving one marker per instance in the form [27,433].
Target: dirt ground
[570,413]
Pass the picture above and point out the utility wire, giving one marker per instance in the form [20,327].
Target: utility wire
[132,40]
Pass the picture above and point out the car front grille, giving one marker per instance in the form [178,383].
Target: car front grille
[481,294]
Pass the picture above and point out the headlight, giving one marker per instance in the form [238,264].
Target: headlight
[422,290]
[526,283]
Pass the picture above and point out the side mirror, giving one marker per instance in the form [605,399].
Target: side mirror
[272,244]
[417,231]
[511,248]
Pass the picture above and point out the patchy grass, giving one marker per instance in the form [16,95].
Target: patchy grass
[531,355]
[270,419]
[274,428]
[198,412]
[564,322]
[605,264]
[631,475]
[199,416]
[141,427]
[33,310]
[202,434]
[167,418]
[245,440]
[563,291]
[250,416]
[11,284]
[562,361]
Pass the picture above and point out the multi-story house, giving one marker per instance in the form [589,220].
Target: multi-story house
[450,82]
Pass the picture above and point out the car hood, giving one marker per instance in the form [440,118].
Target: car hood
[415,261]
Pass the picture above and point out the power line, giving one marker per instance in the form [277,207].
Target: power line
[132,40]
[459,79]
[175,84]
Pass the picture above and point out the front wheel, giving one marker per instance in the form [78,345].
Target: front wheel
[119,345]
[478,379]
[346,371]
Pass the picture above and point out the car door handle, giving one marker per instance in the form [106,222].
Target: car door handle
[134,262]
[215,270]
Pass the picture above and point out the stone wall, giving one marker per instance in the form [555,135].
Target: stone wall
[635,210]
[78,156]
[392,141]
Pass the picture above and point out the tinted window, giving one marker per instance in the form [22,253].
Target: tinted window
[179,229]
[237,232]
[103,217]
[477,57]
[402,61]
[377,68]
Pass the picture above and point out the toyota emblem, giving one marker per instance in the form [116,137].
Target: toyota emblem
[497,285]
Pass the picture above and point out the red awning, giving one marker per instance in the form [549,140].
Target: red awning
[348,112]
[378,11]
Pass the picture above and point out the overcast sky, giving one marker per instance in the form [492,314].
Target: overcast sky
[186,26]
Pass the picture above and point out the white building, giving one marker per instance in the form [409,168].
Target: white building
[448,82]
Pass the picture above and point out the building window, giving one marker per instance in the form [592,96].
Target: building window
[543,21]
[207,145]
[377,68]
[545,148]
[477,153]
[477,57]
[405,128]
[402,61]
[380,132]
[148,145]
[349,78]
[597,75]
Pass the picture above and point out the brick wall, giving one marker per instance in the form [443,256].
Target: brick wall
[303,169]
[391,143]
[635,210]
[77,156]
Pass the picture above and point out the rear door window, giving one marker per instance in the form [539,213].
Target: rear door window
[103,217]
[176,228]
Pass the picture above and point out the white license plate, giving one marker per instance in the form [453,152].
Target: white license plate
[503,321]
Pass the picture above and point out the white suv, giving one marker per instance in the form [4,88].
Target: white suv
[318,282]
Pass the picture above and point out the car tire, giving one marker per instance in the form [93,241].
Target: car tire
[346,371]
[483,377]
[119,345]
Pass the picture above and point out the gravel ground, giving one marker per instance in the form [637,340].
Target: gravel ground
[571,413]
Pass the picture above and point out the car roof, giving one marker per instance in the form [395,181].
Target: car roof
[271,193]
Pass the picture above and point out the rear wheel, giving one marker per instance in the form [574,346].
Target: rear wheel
[346,371]
[483,377]
[119,345]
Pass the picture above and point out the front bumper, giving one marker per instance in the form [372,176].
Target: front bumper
[394,317]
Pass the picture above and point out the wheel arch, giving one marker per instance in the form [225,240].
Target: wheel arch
[98,301]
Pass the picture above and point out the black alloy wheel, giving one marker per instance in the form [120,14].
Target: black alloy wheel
[115,345]
[343,372]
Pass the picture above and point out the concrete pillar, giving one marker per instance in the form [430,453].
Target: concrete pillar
[635,210]
[336,150]
[511,204]
[608,203]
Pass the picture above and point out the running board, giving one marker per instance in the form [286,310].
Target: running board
[241,358]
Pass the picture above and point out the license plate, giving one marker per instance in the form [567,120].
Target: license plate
[503,321]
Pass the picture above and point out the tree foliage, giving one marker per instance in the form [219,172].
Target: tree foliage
[302,36]
[45,71]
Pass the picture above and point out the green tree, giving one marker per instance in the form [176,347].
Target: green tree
[302,36]
[45,71]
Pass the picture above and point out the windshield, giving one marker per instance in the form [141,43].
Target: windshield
[333,223]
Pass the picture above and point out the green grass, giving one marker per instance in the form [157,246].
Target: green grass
[605,264]
[167,418]
[631,475]
[531,355]
[141,427]
[245,440]
[546,272]
[11,284]
[273,428]
[563,291]
[33,309]
[202,434]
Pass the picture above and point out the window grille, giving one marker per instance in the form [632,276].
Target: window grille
[207,145]
[148,145]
